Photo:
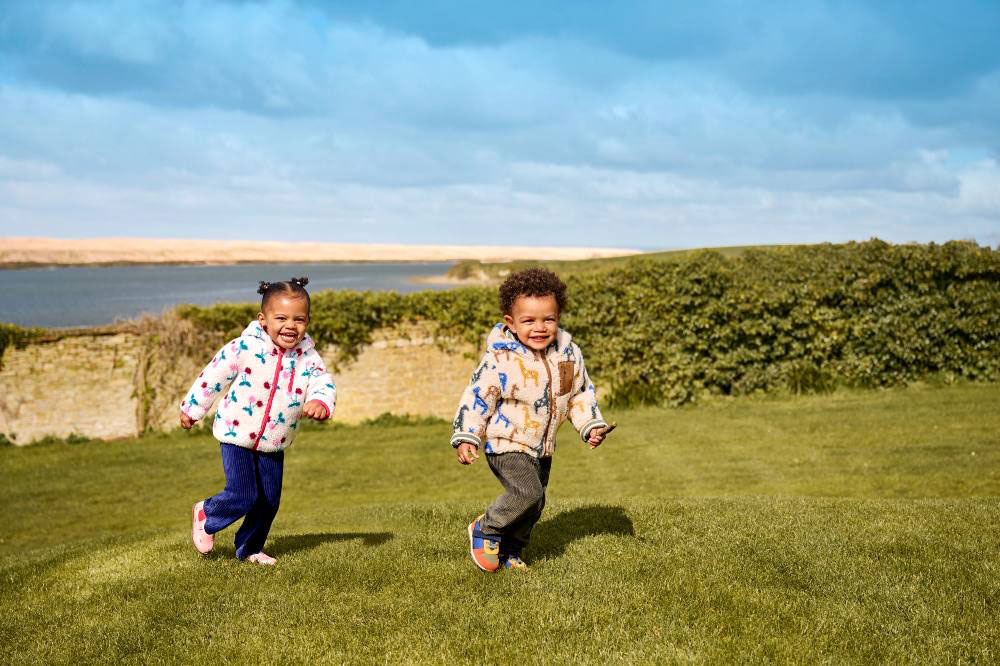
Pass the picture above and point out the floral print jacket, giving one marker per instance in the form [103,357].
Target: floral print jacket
[262,387]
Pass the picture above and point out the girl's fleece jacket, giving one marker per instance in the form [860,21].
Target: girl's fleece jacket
[263,390]
[519,397]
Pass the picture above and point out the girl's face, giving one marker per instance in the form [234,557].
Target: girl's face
[285,319]
[534,320]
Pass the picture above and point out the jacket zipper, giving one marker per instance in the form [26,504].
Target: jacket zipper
[270,399]
[552,402]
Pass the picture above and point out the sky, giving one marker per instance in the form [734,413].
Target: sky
[637,124]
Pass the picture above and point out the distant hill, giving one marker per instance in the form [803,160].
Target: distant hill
[23,252]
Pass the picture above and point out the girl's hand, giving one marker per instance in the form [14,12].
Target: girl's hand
[186,421]
[467,453]
[315,409]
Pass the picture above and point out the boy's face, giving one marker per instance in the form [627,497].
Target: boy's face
[285,319]
[534,320]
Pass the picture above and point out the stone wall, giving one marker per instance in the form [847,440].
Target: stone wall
[402,375]
[84,384]
[87,384]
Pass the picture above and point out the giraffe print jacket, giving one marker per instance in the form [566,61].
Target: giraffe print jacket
[519,397]
[261,389]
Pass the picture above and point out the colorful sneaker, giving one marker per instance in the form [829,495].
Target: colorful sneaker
[262,558]
[203,541]
[513,562]
[484,550]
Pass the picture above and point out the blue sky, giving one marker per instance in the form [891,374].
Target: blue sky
[645,124]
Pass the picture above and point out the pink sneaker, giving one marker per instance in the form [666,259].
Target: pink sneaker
[203,541]
[262,558]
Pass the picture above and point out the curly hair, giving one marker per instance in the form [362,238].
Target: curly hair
[532,282]
[294,288]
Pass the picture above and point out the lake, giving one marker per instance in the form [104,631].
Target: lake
[86,296]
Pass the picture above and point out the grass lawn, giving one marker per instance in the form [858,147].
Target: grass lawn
[857,528]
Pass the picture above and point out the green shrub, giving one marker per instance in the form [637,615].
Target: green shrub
[802,318]
[796,318]
[11,334]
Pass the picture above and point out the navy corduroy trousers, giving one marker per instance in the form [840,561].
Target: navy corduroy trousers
[253,489]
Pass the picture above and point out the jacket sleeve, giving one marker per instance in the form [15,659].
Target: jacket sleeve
[213,380]
[321,386]
[583,409]
[478,402]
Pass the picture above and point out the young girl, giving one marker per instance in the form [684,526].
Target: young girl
[268,378]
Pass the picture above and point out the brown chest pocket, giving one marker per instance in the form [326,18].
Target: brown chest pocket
[566,372]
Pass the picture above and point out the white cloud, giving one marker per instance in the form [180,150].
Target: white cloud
[218,119]
[980,191]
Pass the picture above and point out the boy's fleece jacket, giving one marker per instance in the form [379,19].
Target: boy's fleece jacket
[263,390]
[519,397]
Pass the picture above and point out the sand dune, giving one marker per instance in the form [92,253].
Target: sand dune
[98,251]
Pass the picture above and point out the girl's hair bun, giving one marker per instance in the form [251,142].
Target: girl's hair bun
[294,288]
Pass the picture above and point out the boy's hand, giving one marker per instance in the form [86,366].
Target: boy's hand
[467,453]
[315,409]
[186,421]
[597,435]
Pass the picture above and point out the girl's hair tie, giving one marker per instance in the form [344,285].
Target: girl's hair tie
[294,288]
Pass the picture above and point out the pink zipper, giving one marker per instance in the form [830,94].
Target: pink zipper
[270,399]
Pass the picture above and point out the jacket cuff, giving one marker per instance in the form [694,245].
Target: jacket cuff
[327,402]
[590,425]
[194,412]
[464,438]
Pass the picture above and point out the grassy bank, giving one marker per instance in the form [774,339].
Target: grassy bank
[857,527]
[483,272]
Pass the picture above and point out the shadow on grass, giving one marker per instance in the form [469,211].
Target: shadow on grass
[299,542]
[551,537]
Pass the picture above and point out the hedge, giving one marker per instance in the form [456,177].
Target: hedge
[802,318]
[806,318]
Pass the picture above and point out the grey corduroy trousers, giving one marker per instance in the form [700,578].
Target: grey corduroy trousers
[512,515]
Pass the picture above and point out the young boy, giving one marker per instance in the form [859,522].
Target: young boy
[529,381]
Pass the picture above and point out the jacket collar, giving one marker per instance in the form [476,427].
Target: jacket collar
[502,338]
[254,334]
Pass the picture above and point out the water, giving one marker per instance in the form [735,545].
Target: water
[78,296]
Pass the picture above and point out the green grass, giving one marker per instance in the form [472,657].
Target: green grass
[494,271]
[852,528]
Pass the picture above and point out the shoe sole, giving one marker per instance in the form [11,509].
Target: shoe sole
[194,531]
[472,551]
[261,562]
